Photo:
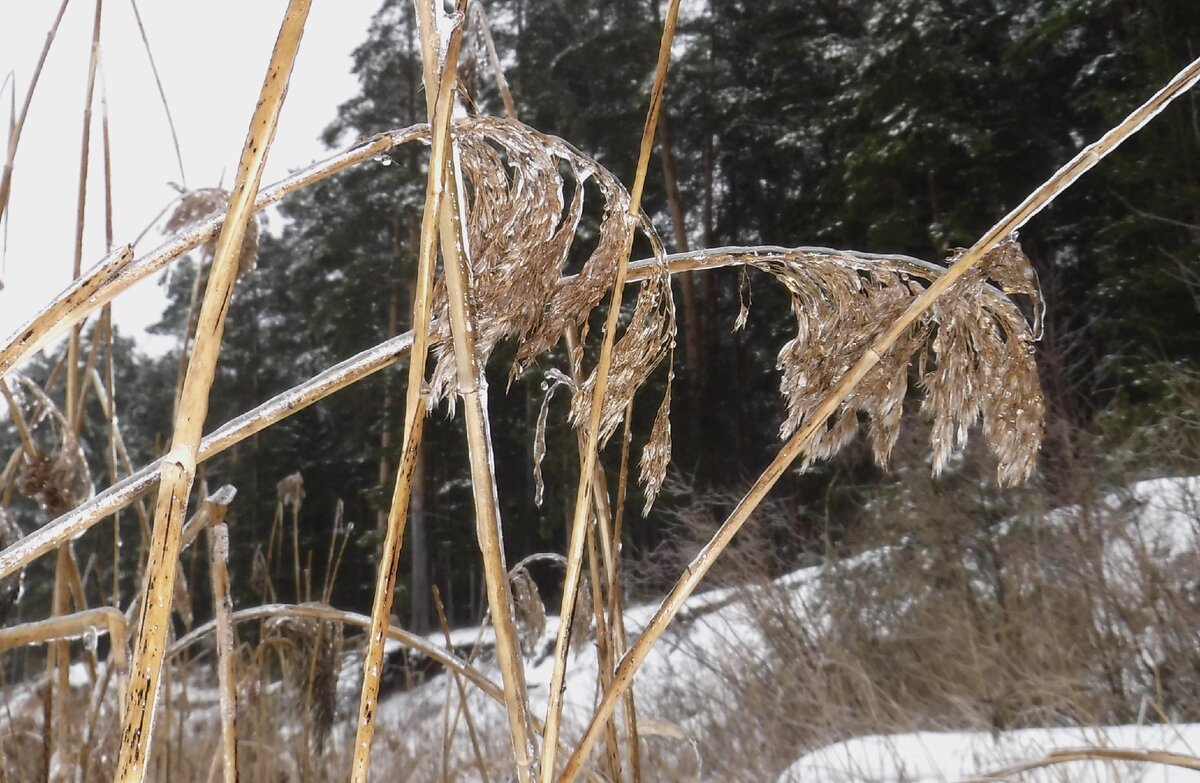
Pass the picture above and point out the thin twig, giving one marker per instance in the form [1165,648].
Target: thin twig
[162,94]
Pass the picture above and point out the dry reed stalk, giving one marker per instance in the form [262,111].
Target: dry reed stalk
[616,604]
[70,626]
[414,410]
[451,662]
[162,94]
[14,136]
[604,652]
[328,613]
[804,435]
[1068,755]
[599,391]
[180,464]
[510,108]
[58,659]
[472,388]
[462,690]
[218,552]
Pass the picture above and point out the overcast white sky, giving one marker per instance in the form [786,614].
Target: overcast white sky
[211,57]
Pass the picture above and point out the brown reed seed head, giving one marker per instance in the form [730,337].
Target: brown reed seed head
[203,203]
[529,611]
[290,490]
[520,227]
[973,351]
[51,480]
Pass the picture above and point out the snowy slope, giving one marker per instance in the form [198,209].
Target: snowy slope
[944,757]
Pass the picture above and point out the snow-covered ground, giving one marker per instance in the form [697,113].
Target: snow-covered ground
[944,757]
[687,699]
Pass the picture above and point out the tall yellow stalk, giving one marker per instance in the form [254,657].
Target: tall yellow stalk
[472,388]
[414,416]
[588,468]
[179,465]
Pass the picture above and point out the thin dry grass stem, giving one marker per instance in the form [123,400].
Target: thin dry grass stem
[14,135]
[162,94]
[330,614]
[510,108]
[93,356]
[1069,755]
[472,388]
[58,659]
[598,398]
[604,652]
[180,464]
[18,419]
[290,492]
[414,412]
[616,604]
[803,437]
[218,552]
[462,691]
[610,635]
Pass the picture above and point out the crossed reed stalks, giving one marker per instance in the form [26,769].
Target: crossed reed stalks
[862,321]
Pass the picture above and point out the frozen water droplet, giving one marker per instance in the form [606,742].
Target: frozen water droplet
[383,158]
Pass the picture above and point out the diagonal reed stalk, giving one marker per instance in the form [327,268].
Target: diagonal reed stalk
[179,466]
[472,388]
[695,571]
[588,468]
[414,416]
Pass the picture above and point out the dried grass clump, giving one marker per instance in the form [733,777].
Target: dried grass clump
[196,206]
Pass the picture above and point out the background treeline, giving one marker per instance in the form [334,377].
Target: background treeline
[878,125]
